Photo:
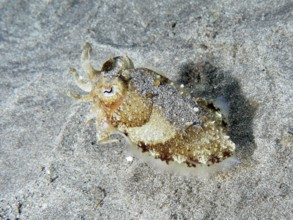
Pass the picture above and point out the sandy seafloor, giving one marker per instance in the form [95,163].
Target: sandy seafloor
[52,168]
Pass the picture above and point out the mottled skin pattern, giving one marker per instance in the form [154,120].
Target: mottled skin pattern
[156,114]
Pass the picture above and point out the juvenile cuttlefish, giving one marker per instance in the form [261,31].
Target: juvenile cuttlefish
[154,113]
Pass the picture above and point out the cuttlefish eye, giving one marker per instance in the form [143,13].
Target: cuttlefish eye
[108,91]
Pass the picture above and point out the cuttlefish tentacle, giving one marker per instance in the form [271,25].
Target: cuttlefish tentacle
[86,62]
[104,128]
[85,98]
[82,84]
